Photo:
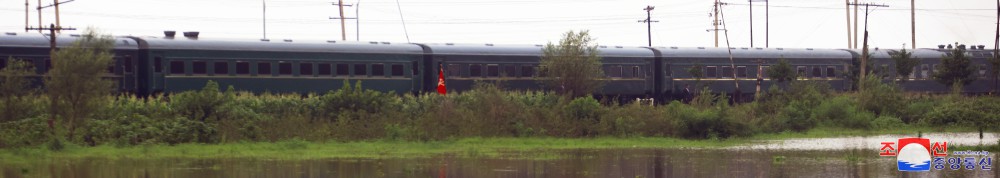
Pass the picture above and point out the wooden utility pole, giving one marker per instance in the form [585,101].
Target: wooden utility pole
[996,46]
[52,56]
[264,17]
[864,48]
[26,16]
[39,9]
[54,4]
[855,25]
[847,8]
[715,22]
[913,24]
[649,24]
[343,29]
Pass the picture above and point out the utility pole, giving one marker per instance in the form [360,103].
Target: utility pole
[855,24]
[715,22]
[736,80]
[751,21]
[343,29]
[54,4]
[913,24]
[26,16]
[767,25]
[52,56]
[847,8]
[649,24]
[264,17]
[864,48]
[996,45]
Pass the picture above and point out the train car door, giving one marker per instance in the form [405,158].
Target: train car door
[156,77]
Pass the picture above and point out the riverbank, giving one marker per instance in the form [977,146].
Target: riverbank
[297,149]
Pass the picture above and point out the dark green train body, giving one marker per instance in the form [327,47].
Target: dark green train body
[152,65]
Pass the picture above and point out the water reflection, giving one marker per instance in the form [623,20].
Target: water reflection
[746,161]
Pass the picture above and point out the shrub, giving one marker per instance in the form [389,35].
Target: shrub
[886,122]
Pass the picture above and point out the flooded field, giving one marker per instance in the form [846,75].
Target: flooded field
[827,157]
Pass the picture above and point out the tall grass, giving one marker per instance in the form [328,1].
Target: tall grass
[353,113]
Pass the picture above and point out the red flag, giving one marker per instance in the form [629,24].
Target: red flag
[441,88]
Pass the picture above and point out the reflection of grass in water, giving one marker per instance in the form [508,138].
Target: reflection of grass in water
[520,148]
[992,148]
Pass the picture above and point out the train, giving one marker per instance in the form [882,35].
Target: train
[148,65]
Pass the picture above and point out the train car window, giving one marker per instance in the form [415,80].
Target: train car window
[934,68]
[324,69]
[801,70]
[378,70]
[763,71]
[475,70]
[613,71]
[397,70]
[199,67]
[527,71]
[727,72]
[666,71]
[305,68]
[493,70]
[360,70]
[636,72]
[264,68]
[415,68]
[284,68]
[221,67]
[157,64]
[913,73]
[923,71]
[831,71]
[509,71]
[817,72]
[176,67]
[128,64]
[982,70]
[710,72]
[741,71]
[343,69]
[242,68]
[454,70]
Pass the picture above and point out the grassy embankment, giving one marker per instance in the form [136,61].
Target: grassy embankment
[466,147]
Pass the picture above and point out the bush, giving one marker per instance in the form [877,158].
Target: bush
[880,98]
[886,122]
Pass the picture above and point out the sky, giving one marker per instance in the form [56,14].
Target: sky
[682,23]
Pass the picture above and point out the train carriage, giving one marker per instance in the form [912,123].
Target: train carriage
[750,63]
[35,48]
[187,63]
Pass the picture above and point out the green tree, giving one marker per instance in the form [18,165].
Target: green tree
[573,66]
[74,84]
[904,63]
[955,69]
[782,71]
[697,73]
[995,73]
[15,89]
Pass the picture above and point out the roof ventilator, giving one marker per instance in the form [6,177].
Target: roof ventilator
[265,40]
[288,40]
[191,35]
[449,44]
[489,44]
[169,34]
[331,41]
[385,42]
[11,33]
[373,42]
[618,46]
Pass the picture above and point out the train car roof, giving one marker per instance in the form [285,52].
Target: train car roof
[526,50]
[797,53]
[183,43]
[917,53]
[11,39]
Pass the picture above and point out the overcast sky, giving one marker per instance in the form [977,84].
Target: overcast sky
[793,23]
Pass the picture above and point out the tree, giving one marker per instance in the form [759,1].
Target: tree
[74,84]
[782,71]
[955,69]
[15,89]
[697,73]
[995,73]
[904,63]
[573,66]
